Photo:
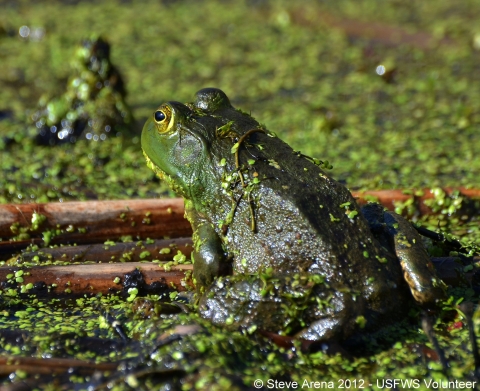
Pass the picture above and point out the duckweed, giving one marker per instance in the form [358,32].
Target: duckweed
[386,114]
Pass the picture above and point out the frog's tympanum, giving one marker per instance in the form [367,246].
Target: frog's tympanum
[93,105]
[278,244]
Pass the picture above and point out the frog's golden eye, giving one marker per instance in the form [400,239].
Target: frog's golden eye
[163,118]
[159,116]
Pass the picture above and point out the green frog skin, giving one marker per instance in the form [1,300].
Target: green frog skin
[278,244]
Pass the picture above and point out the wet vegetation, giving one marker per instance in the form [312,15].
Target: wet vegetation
[386,92]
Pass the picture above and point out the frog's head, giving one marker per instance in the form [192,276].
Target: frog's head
[176,139]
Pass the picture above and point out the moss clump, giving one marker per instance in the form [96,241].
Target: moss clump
[387,112]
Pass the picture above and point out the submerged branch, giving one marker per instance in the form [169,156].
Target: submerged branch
[48,366]
[108,278]
[92,278]
[97,221]
[90,221]
[161,250]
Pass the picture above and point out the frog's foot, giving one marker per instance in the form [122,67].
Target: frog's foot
[324,330]
[344,317]
[400,237]
[418,270]
[241,302]
[284,305]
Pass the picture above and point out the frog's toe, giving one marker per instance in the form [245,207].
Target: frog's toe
[427,289]
[238,302]
[338,321]
[323,330]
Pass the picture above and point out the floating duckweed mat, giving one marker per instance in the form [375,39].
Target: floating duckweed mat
[385,91]
[298,68]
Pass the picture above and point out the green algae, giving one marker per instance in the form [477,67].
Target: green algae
[312,82]
[419,130]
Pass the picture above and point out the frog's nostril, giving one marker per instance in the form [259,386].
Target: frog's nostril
[159,116]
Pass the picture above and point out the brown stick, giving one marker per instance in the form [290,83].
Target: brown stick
[389,198]
[154,218]
[102,220]
[104,217]
[162,250]
[377,32]
[80,279]
[50,365]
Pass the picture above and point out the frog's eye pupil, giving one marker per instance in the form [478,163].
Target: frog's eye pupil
[159,116]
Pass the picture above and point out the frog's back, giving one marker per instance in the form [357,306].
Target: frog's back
[304,221]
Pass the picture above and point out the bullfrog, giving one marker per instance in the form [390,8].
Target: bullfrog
[93,105]
[278,244]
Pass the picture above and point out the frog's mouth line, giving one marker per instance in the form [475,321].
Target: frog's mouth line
[160,173]
[164,176]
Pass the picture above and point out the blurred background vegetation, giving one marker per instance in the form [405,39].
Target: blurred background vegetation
[386,91]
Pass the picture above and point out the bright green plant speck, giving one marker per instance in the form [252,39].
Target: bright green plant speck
[299,68]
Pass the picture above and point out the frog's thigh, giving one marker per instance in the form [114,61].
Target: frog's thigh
[274,305]
[417,267]
[208,255]
[335,320]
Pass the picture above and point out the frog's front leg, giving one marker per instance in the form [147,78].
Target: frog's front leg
[209,257]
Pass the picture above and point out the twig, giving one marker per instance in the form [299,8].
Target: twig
[376,32]
[388,198]
[96,221]
[428,330]
[94,278]
[9,364]
[162,250]
[99,277]
[467,309]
